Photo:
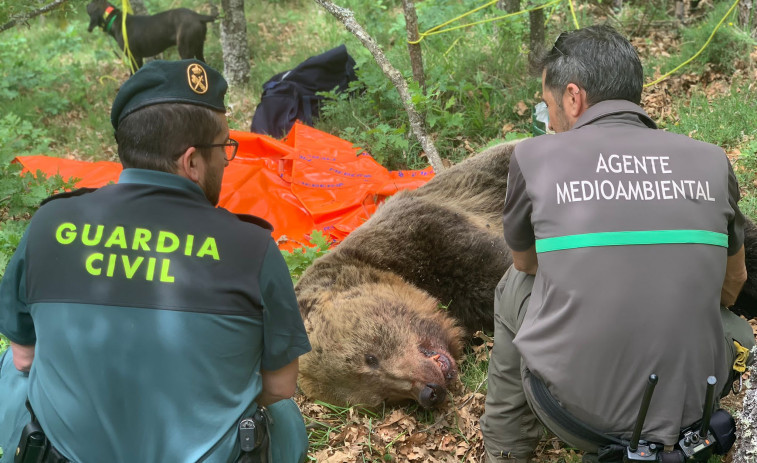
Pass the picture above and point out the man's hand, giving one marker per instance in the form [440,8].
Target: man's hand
[23,356]
[278,384]
[526,261]
[735,276]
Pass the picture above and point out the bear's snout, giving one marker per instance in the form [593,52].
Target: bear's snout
[432,395]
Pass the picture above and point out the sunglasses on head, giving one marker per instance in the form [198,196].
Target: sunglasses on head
[558,42]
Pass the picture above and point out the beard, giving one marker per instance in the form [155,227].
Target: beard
[212,185]
[560,122]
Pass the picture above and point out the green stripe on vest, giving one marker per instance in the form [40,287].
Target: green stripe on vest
[629,238]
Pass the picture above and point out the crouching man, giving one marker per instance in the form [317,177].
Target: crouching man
[627,248]
[154,326]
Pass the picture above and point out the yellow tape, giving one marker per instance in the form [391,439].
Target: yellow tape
[742,354]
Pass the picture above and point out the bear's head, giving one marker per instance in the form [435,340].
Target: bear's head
[380,342]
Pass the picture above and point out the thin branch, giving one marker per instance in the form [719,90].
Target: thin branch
[347,18]
[24,17]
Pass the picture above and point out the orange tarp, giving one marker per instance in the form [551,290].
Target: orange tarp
[309,181]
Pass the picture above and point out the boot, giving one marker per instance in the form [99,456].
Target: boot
[506,457]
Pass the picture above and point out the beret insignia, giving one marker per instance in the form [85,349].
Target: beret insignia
[197,78]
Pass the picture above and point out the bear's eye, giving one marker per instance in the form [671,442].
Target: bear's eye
[371,360]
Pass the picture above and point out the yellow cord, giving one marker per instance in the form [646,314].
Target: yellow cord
[573,13]
[668,74]
[463,15]
[451,46]
[103,78]
[126,9]
[551,13]
[435,30]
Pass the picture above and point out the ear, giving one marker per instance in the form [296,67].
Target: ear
[191,164]
[574,101]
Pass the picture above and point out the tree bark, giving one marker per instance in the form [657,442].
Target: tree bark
[745,449]
[747,17]
[414,49]
[236,63]
[536,38]
[682,10]
[24,17]
[511,6]
[347,18]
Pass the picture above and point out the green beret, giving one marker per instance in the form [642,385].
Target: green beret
[187,81]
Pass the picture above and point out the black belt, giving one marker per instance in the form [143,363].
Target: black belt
[567,421]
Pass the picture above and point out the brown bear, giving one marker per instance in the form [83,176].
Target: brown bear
[382,308]
[385,308]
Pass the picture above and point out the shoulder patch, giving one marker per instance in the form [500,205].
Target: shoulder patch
[67,194]
[255,221]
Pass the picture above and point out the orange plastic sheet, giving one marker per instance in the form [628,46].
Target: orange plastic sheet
[309,181]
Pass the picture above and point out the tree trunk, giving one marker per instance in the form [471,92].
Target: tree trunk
[414,49]
[682,10]
[536,39]
[536,19]
[236,64]
[417,126]
[511,6]
[747,17]
[138,6]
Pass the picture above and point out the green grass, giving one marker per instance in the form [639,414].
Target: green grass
[723,120]
[474,368]
[719,120]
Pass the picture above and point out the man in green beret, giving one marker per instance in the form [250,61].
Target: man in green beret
[154,326]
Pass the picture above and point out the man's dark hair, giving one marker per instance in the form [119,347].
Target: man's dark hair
[155,136]
[599,60]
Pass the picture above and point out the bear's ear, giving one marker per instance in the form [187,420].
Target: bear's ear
[314,301]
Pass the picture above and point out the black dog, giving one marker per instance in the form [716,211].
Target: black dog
[150,35]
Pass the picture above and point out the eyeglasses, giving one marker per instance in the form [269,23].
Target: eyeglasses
[229,148]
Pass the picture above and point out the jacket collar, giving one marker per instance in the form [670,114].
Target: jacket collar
[161,179]
[607,108]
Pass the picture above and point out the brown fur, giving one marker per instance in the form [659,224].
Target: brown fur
[376,296]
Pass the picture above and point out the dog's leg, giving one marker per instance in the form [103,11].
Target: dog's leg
[191,41]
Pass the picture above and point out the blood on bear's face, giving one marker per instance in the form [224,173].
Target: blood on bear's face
[381,343]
